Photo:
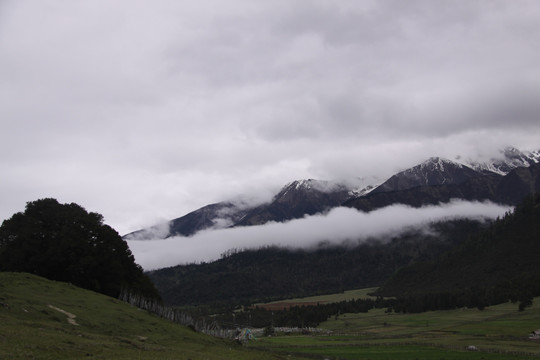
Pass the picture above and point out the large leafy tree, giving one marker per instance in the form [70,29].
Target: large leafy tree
[65,242]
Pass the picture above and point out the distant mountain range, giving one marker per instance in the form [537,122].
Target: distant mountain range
[511,158]
[503,180]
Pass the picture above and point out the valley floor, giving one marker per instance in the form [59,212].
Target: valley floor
[41,319]
[498,332]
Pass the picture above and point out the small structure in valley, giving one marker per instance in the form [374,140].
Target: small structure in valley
[244,336]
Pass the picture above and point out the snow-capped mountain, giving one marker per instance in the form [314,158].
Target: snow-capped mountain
[362,191]
[215,216]
[298,199]
[295,200]
[509,159]
[439,171]
[505,179]
[509,189]
[434,171]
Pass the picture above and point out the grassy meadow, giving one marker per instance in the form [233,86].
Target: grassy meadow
[42,319]
[498,332]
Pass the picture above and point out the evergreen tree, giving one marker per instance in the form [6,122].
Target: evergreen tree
[64,242]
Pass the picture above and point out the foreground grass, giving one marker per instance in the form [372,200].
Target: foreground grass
[42,319]
[498,332]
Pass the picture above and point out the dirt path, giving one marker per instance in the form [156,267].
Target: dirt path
[71,317]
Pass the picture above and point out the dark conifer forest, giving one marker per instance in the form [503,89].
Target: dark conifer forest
[244,277]
[497,265]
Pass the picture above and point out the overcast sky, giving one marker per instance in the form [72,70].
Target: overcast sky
[145,110]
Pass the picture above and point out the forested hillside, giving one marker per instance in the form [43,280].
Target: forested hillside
[499,264]
[276,273]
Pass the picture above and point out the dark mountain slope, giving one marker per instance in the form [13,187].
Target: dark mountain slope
[518,184]
[206,217]
[475,189]
[435,171]
[509,189]
[274,273]
[214,215]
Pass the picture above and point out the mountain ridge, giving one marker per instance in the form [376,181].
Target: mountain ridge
[512,158]
[296,200]
[434,171]
[508,190]
[430,182]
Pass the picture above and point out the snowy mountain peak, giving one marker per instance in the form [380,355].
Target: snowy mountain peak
[297,185]
[436,164]
[507,160]
[311,185]
[434,171]
[304,184]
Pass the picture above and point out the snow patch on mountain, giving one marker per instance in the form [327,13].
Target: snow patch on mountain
[362,191]
[434,171]
[507,160]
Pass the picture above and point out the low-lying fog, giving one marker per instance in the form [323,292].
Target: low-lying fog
[335,227]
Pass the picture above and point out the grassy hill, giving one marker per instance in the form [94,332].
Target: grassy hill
[42,319]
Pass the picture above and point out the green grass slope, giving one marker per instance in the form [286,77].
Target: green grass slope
[42,319]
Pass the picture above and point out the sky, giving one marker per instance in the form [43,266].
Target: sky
[143,111]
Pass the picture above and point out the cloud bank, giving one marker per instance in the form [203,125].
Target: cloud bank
[336,227]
